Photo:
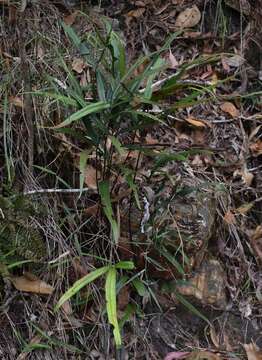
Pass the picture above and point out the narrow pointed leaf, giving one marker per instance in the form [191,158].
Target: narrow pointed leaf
[110,290]
[79,284]
[89,109]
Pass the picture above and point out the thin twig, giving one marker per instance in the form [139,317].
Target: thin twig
[43,191]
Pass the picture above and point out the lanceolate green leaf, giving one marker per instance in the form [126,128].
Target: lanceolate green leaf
[126,265]
[79,284]
[110,290]
[56,96]
[89,109]
[107,207]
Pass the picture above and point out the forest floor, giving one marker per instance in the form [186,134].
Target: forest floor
[131,183]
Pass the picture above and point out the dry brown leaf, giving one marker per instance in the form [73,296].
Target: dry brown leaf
[256,147]
[233,61]
[140,3]
[203,355]
[136,13]
[92,210]
[150,140]
[40,52]
[229,218]
[176,355]
[173,61]
[67,308]
[214,337]
[196,122]
[70,19]
[29,283]
[253,352]
[225,65]
[91,177]
[16,101]
[230,109]
[244,209]
[78,65]
[247,177]
[188,18]
[256,241]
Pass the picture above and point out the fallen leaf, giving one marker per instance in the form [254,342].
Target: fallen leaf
[190,17]
[256,147]
[225,64]
[67,308]
[176,355]
[70,19]
[229,218]
[233,61]
[244,209]
[91,177]
[16,101]
[203,355]
[40,52]
[78,65]
[31,284]
[140,3]
[150,140]
[173,61]
[230,109]
[253,352]
[214,337]
[92,210]
[136,13]
[256,241]
[247,177]
[196,122]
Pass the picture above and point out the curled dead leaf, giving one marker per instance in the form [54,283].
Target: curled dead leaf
[16,101]
[256,147]
[176,355]
[230,109]
[188,18]
[91,177]
[229,218]
[253,352]
[30,283]
[78,65]
[172,60]
[136,13]
[256,242]
[233,61]
[246,176]
[70,19]
[203,355]
[244,209]
[196,122]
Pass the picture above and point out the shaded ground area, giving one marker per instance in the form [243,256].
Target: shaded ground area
[177,148]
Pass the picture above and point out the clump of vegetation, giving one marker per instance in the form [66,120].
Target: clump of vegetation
[113,109]
[130,160]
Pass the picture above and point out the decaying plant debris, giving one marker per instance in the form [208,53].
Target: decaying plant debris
[130,205]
